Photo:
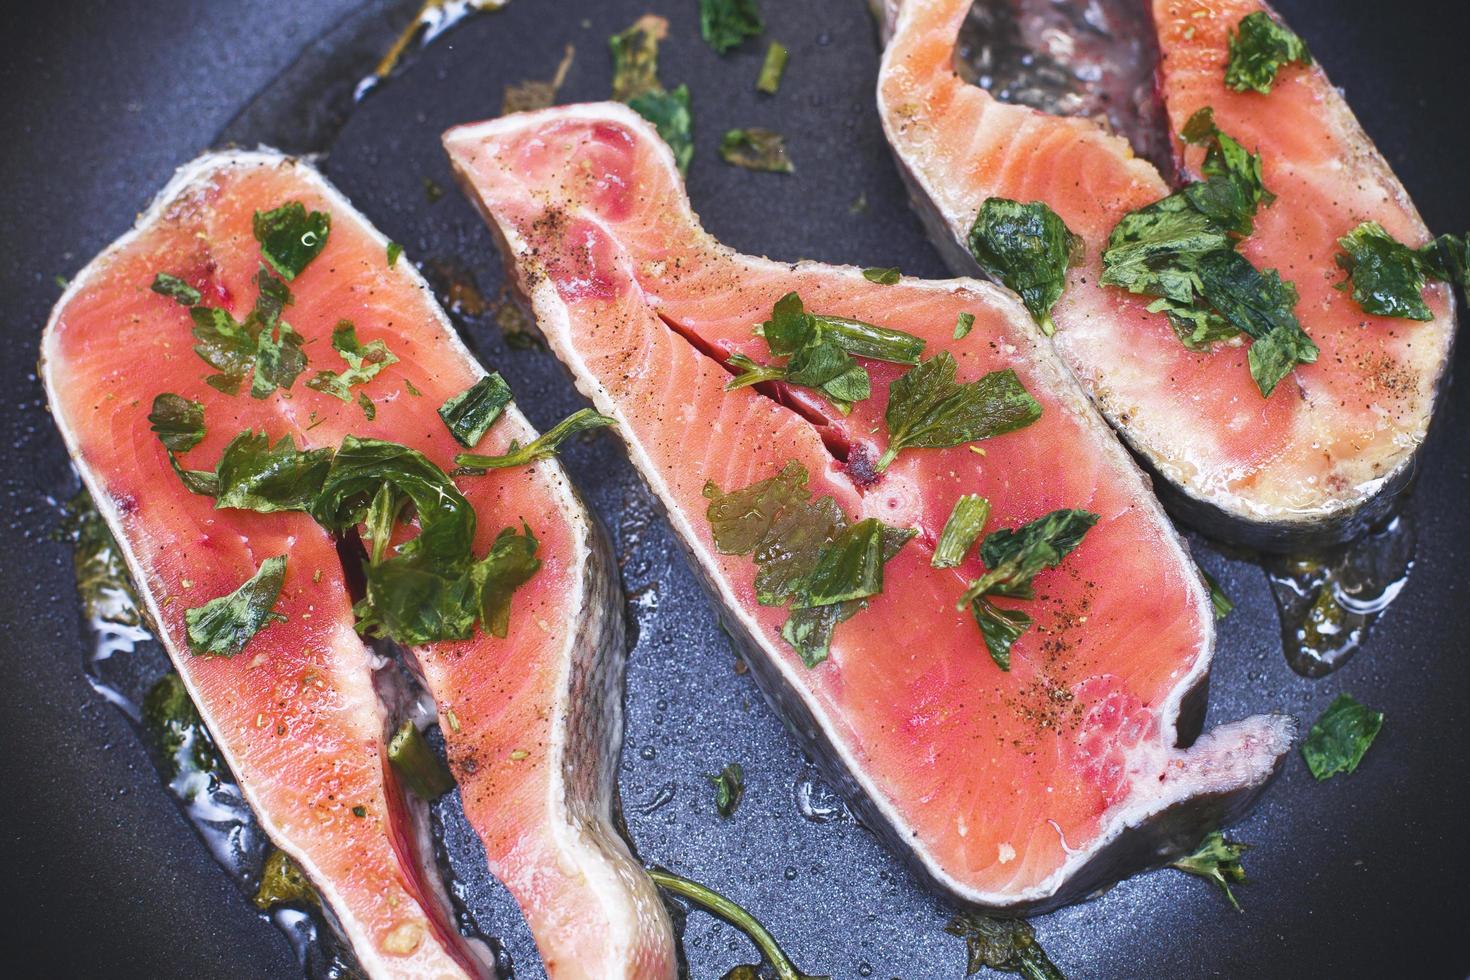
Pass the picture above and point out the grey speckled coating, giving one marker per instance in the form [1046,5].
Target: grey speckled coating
[1361,876]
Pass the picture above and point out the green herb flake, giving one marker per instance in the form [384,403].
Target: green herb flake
[223,626]
[423,772]
[179,425]
[369,410]
[1259,49]
[729,784]
[807,555]
[772,68]
[724,24]
[430,588]
[635,82]
[963,324]
[1234,188]
[254,475]
[179,734]
[1028,248]
[966,520]
[756,149]
[670,115]
[542,447]
[432,191]
[883,277]
[175,289]
[1387,276]
[290,238]
[1340,738]
[1219,601]
[364,361]
[928,409]
[177,421]
[1447,259]
[264,342]
[1217,860]
[509,565]
[282,882]
[470,413]
[716,904]
[635,57]
[103,582]
[1181,250]
[408,384]
[1013,558]
[1008,945]
[394,251]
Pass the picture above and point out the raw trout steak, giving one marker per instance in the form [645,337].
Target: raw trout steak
[532,719]
[1325,453]
[1012,789]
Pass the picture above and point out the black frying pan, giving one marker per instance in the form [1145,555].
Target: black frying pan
[1361,876]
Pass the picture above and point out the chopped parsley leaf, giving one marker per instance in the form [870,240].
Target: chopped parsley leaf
[254,475]
[177,421]
[1340,738]
[729,784]
[364,361]
[1387,276]
[175,289]
[882,276]
[470,413]
[963,324]
[1259,49]
[929,409]
[808,556]
[1218,860]
[756,149]
[635,82]
[222,627]
[724,24]
[1008,945]
[1013,558]
[1181,250]
[1028,248]
[431,588]
[290,238]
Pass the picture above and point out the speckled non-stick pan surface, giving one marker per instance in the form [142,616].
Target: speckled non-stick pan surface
[1363,876]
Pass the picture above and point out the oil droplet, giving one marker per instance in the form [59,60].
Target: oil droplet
[865,969]
[790,873]
[648,753]
[1329,601]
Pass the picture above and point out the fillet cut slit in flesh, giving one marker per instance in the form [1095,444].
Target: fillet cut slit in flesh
[1326,454]
[532,721]
[1016,790]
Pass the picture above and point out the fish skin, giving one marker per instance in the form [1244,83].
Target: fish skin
[642,306]
[1327,455]
[554,682]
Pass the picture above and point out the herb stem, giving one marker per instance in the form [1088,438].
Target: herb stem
[713,902]
[417,765]
[889,455]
